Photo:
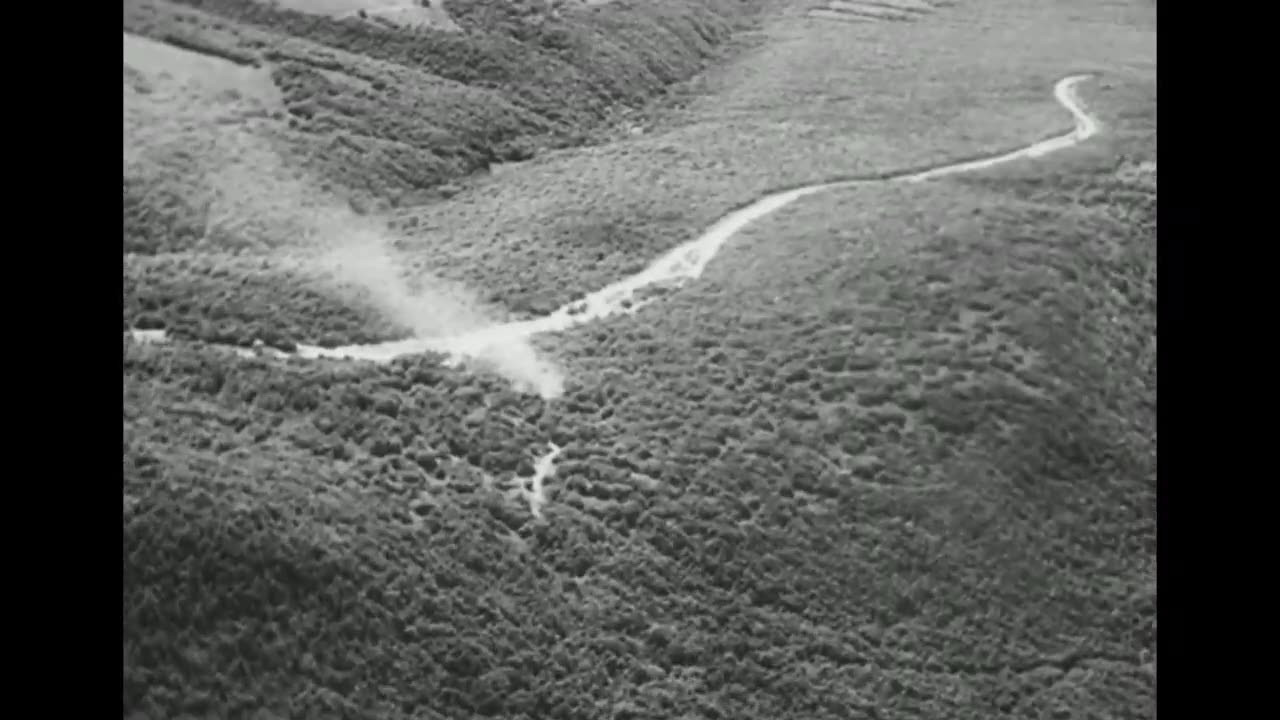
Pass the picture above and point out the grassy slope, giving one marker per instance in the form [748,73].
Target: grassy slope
[363,114]
[454,102]
[894,455]
[814,101]
[942,419]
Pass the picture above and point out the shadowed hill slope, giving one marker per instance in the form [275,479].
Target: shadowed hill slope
[918,481]
[406,109]
[255,132]
[892,456]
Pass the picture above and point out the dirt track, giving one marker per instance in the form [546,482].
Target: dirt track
[677,267]
[674,269]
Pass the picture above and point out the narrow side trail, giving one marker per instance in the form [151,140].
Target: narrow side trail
[671,271]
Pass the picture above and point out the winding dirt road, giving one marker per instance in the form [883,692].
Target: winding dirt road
[674,269]
[677,267]
[687,262]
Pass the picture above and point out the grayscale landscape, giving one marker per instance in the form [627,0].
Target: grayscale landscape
[566,359]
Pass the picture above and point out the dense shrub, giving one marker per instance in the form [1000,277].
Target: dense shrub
[750,519]
[907,471]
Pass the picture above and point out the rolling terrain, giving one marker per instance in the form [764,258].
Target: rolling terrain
[886,451]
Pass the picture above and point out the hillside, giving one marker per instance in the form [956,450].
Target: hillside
[405,109]
[343,117]
[891,456]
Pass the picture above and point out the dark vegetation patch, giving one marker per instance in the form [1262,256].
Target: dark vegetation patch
[863,469]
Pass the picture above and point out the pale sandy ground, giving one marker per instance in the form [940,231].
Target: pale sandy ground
[170,88]
[214,74]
